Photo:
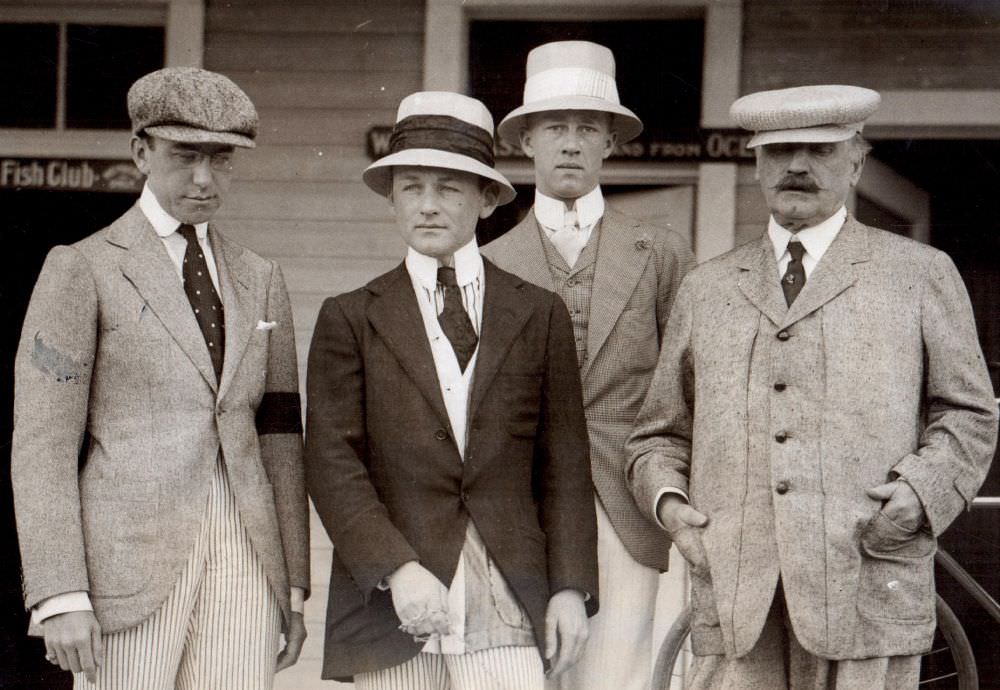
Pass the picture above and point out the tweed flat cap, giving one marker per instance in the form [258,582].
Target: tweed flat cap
[193,106]
[805,114]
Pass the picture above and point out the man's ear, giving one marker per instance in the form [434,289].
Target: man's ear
[491,197]
[526,146]
[140,153]
[609,143]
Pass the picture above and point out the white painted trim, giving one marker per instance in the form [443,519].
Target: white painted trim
[184,21]
[446,68]
[715,210]
[898,195]
[938,108]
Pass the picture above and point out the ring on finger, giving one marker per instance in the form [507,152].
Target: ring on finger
[51,658]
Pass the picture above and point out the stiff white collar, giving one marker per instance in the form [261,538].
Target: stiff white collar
[164,223]
[816,239]
[589,209]
[423,268]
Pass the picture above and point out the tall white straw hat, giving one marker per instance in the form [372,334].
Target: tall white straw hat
[805,114]
[440,129]
[571,75]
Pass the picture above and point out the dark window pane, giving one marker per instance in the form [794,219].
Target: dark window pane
[101,63]
[28,78]
[658,65]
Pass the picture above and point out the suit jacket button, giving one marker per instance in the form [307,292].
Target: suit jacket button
[441,435]
[781,487]
[781,437]
[784,335]
[779,387]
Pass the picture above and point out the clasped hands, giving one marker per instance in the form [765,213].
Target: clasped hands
[901,505]
[421,603]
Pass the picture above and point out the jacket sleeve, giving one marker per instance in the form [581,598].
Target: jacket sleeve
[53,368]
[659,448]
[358,523]
[279,427]
[959,437]
[562,471]
[674,260]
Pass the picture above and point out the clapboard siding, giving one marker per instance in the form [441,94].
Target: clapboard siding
[321,74]
[883,45]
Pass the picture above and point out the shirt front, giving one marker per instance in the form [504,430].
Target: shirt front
[815,240]
[589,209]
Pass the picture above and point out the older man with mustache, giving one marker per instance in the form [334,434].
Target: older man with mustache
[820,413]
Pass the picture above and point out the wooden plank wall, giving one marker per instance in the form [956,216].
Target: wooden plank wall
[321,73]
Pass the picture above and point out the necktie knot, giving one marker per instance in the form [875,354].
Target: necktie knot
[797,250]
[188,233]
[446,276]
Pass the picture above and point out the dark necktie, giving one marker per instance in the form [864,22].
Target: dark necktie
[203,297]
[795,274]
[454,320]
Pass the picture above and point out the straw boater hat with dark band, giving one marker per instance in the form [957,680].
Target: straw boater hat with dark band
[440,129]
[805,114]
[192,106]
[571,75]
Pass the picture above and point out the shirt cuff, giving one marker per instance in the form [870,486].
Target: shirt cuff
[660,494]
[58,604]
[298,600]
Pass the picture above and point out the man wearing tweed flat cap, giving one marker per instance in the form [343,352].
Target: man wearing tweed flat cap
[820,413]
[446,447]
[163,354]
[618,276]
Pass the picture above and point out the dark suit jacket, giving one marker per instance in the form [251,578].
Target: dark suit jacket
[387,478]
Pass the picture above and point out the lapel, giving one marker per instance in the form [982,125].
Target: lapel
[527,252]
[149,268]
[504,316]
[236,281]
[395,315]
[759,279]
[834,273]
[621,257]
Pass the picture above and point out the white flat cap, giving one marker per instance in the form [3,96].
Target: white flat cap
[805,114]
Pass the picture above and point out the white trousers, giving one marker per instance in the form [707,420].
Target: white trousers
[619,654]
[497,668]
[218,629]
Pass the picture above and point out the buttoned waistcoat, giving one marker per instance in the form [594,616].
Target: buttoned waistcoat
[639,268]
[386,476]
[777,420]
[110,346]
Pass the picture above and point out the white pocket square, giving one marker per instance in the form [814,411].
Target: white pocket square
[266,325]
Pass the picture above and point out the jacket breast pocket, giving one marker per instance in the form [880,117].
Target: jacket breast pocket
[522,396]
[897,572]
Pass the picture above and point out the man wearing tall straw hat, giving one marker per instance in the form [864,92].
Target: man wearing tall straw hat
[177,552]
[446,446]
[823,399]
[618,276]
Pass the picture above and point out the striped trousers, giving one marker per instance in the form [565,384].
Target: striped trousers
[496,668]
[217,630]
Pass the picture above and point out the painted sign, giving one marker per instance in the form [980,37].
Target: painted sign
[704,145]
[70,174]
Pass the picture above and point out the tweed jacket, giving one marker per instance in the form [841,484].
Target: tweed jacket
[110,346]
[386,476]
[639,268]
[777,419]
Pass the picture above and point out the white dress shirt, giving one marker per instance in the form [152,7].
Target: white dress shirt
[165,226]
[815,240]
[550,212]
[455,387]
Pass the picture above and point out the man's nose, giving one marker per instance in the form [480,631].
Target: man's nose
[202,172]
[799,161]
[429,202]
[571,141]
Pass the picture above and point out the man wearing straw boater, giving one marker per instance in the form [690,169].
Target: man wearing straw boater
[618,276]
[823,398]
[446,445]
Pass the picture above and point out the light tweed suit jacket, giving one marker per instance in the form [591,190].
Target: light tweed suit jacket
[110,346]
[639,268]
[777,420]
